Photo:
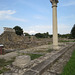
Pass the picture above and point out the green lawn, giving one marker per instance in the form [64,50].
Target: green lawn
[34,56]
[69,69]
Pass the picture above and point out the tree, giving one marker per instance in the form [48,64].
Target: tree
[39,35]
[27,34]
[18,30]
[46,35]
[73,32]
[42,35]
[64,35]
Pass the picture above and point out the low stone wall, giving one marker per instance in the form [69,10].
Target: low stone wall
[45,65]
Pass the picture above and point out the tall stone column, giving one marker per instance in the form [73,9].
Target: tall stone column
[55,30]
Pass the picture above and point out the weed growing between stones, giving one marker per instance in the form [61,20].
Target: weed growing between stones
[3,64]
[34,56]
[49,50]
[4,69]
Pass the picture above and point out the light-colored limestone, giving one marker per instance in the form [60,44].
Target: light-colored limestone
[9,56]
[22,61]
[55,30]
[8,29]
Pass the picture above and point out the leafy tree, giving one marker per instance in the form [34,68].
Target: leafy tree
[50,36]
[46,35]
[39,35]
[42,35]
[26,34]
[64,35]
[73,32]
[18,30]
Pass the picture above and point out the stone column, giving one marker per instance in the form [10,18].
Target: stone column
[55,32]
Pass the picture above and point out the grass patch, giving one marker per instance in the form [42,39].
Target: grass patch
[34,56]
[4,70]
[69,69]
[49,50]
[44,51]
[49,43]
[3,64]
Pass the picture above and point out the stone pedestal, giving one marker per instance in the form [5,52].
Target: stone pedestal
[22,61]
[55,30]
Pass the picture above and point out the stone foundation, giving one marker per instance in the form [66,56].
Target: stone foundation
[47,64]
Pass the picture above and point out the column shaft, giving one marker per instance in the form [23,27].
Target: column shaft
[55,32]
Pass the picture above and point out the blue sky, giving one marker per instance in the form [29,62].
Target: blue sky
[35,16]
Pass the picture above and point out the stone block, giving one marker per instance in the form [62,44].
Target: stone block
[22,61]
[9,56]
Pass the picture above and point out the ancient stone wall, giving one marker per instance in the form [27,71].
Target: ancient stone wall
[8,29]
[12,41]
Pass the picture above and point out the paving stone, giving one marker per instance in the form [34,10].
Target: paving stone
[30,73]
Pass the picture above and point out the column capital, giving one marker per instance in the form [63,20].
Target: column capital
[54,3]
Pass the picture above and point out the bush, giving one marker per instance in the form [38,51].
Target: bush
[73,32]
[18,30]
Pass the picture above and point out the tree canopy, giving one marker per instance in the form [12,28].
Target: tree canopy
[73,32]
[18,30]
[42,35]
[27,34]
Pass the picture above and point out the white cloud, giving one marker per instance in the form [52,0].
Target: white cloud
[41,26]
[1,30]
[17,19]
[64,29]
[31,32]
[39,29]
[7,14]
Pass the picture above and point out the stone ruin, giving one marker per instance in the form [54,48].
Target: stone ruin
[9,29]
[11,40]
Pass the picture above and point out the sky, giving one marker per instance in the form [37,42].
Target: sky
[35,16]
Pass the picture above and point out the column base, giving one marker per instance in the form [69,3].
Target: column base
[56,47]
